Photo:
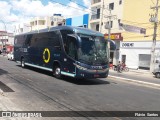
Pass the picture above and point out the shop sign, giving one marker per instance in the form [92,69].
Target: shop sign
[127,44]
[114,36]
[131,28]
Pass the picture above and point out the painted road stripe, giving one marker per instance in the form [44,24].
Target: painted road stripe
[1,91]
[136,81]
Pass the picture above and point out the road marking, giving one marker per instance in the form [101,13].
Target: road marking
[136,81]
[1,91]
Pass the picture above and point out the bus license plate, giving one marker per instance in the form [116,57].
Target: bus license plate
[96,75]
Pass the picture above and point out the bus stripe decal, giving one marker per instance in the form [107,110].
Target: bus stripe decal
[44,68]
[68,74]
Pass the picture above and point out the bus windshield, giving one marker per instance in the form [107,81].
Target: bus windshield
[93,50]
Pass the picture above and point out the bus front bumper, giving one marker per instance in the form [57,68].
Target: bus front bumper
[92,73]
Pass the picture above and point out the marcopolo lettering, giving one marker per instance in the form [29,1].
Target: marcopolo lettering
[127,44]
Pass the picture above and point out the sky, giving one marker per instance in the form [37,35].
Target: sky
[21,11]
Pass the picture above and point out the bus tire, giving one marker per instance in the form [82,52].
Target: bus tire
[22,63]
[57,71]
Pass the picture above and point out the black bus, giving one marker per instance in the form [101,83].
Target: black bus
[64,50]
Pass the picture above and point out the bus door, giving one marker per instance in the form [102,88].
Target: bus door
[71,50]
[33,50]
[18,50]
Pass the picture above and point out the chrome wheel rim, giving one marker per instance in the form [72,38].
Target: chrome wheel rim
[22,64]
[57,71]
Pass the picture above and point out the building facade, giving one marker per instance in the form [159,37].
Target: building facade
[22,28]
[128,21]
[6,41]
[80,21]
[38,23]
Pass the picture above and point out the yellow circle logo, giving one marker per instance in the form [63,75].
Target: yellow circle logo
[46,50]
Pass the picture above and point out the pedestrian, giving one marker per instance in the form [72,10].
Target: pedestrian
[119,67]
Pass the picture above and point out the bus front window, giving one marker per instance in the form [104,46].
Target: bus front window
[93,50]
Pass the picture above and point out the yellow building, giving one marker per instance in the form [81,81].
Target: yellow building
[130,27]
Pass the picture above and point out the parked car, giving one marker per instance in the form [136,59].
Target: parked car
[156,70]
[10,56]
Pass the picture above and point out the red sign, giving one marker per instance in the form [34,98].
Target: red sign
[114,36]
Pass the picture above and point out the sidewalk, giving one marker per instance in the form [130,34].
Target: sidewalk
[135,72]
[3,55]
[139,71]
[136,76]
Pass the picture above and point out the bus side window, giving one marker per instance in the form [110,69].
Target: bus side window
[71,48]
[19,41]
[28,40]
[54,40]
[64,34]
[33,40]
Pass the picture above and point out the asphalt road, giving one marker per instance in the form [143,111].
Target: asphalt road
[135,75]
[32,89]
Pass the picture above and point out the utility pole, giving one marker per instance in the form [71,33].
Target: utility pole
[108,26]
[101,17]
[154,19]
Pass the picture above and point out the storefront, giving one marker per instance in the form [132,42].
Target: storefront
[137,55]
[114,54]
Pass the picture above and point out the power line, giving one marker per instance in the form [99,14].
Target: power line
[105,14]
[152,2]
[135,22]
[132,22]
[67,5]
[79,4]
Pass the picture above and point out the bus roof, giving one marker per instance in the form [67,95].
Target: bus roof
[74,29]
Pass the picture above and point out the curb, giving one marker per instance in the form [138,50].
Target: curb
[136,81]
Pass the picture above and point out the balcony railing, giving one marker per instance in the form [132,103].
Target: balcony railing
[96,16]
[95,1]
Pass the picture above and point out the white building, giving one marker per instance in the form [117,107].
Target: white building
[137,55]
[22,28]
[38,23]
[6,41]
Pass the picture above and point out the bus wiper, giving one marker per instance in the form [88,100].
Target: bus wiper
[85,61]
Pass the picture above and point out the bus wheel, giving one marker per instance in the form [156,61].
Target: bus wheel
[22,63]
[57,71]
